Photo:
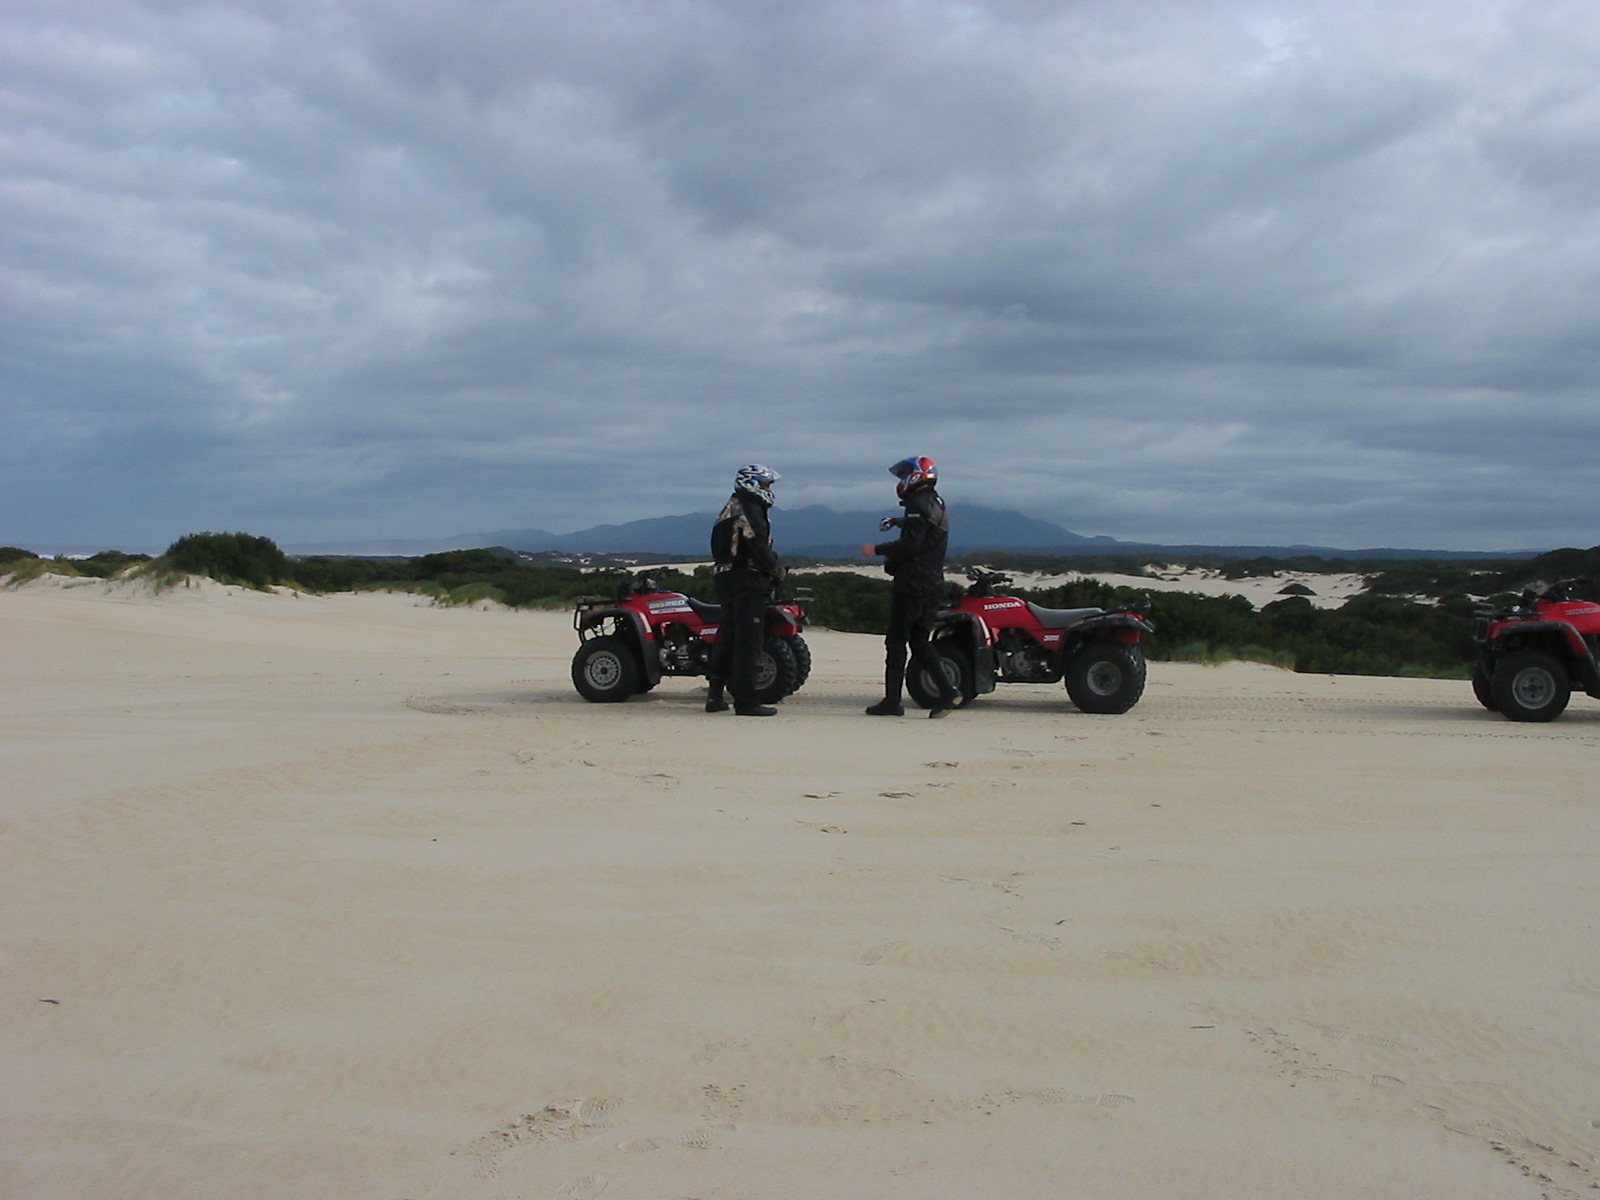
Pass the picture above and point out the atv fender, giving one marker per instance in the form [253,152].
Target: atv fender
[972,636]
[1123,626]
[1586,673]
[626,623]
[781,623]
[1580,659]
[1536,631]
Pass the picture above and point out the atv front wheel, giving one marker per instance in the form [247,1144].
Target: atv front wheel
[605,670]
[1483,688]
[776,671]
[1106,677]
[1530,687]
[925,692]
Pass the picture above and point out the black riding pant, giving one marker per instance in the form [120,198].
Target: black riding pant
[911,621]
[737,652]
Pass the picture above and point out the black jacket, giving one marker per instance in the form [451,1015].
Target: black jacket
[741,544]
[916,557]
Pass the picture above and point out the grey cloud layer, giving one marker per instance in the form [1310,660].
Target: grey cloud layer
[1200,272]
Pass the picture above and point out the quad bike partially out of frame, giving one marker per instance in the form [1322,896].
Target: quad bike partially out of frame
[1533,655]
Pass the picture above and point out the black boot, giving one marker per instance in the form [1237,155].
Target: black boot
[887,708]
[714,700]
[754,710]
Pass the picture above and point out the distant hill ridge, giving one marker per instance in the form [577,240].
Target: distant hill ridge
[823,533]
[810,530]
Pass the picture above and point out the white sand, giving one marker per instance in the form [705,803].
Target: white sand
[349,898]
[1327,591]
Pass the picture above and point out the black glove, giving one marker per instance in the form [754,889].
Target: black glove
[887,524]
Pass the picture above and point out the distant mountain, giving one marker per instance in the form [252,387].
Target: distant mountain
[813,530]
[822,533]
[393,547]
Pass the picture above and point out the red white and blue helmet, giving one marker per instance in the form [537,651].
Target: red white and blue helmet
[758,481]
[913,473]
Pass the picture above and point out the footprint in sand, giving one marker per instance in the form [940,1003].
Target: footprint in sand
[722,1103]
[873,955]
[566,1121]
[640,1145]
[712,1051]
[587,1188]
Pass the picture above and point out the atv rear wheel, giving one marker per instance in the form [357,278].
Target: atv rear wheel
[802,660]
[776,671]
[605,670]
[925,692]
[1530,687]
[1106,677]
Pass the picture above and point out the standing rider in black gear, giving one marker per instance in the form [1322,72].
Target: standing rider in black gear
[916,560]
[747,574]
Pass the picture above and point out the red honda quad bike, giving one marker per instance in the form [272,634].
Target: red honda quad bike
[984,639]
[626,645]
[1535,654]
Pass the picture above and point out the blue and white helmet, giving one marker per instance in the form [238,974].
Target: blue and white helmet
[758,481]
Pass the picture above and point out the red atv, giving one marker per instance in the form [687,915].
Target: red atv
[1535,654]
[984,639]
[626,645]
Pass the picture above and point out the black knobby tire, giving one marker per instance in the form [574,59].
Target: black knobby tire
[1106,677]
[605,670]
[1483,688]
[775,671]
[802,660]
[1530,687]
[924,692]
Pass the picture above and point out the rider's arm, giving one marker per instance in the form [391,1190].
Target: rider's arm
[759,548]
[913,533]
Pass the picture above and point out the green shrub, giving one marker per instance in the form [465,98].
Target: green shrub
[238,558]
[107,563]
[846,601]
[473,593]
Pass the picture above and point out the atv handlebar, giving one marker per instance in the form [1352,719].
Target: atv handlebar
[1564,589]
[1554,593]
[987,579]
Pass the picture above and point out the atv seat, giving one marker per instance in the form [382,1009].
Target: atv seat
[711,614]
[1061,618]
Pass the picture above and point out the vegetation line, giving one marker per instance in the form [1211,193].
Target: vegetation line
[1412,619]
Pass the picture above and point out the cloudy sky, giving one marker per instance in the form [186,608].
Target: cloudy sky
[1279,271]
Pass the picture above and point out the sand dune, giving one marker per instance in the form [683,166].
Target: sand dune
[1323,590]
[353,898]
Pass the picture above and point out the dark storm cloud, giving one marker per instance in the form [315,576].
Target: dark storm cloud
[1201,272]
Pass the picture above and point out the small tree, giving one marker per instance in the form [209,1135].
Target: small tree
[230,558]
